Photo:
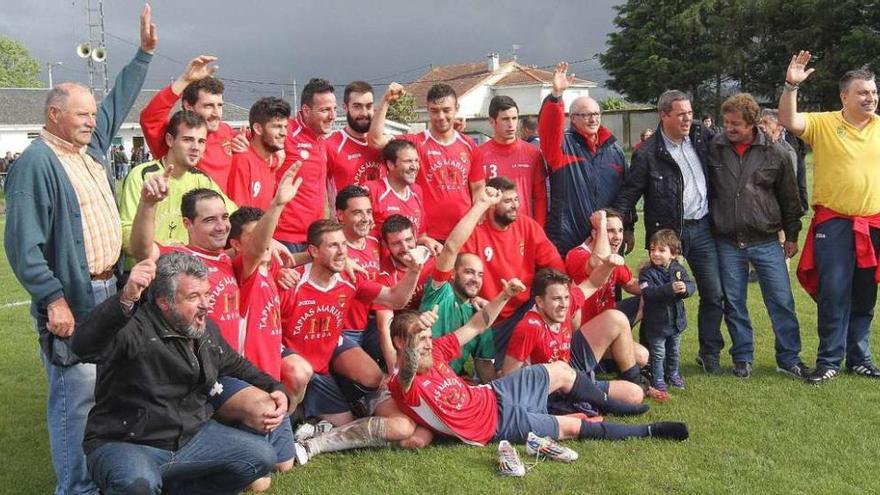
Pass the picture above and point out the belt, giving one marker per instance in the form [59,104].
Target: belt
[105,275]
[691,221]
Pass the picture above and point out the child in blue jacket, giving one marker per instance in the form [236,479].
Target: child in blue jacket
[665,284]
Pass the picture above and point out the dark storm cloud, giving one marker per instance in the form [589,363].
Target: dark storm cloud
[278,41]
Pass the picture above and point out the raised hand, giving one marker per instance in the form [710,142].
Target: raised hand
[598,220]
[428,318]
[199,68]
[394,91]
[797,71]
[240,141]
[140,278]
[288,185]
[561,79]
[489,196]
[149,37]
[155,188]
[512,287]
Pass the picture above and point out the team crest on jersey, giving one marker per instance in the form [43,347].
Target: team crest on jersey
[304,154]
[227,147]
[464,156]
[342,298]
[841,132]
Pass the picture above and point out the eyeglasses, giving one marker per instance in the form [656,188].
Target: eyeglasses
[586,116]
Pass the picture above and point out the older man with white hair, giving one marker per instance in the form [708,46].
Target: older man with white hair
[586,164]
[63,239]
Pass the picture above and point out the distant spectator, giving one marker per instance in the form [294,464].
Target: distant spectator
[644,137]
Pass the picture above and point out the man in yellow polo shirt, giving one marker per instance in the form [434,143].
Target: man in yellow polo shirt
[839,264]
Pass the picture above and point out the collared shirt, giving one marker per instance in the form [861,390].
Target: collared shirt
[694,195]
[102,229]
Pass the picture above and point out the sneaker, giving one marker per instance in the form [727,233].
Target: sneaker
[509,463]
[797,370]
[676,381]
[301,453]
[821,375]
[659,385]
[709,365]
[549,448]
[306,431]
[867,370]
[742,369]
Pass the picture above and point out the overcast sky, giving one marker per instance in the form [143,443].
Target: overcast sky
[341,40]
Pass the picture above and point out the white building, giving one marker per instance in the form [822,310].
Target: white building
[477,83]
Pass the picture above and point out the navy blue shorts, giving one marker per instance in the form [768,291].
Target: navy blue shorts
[323,396]
[630,307]
[522,405]
[582,357]
[348,340]
[230,386]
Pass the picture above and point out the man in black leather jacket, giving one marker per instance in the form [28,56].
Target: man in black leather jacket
[669,171]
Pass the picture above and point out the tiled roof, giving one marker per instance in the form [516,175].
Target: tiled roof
[25,106]
[464,77]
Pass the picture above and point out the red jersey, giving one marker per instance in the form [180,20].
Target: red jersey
[442,402]
[312,316]
[393,272]
[445,176]
[576,267]
[524,165]
[534,341]
[261,312]
[251,182]
[225,296]
[351,161]
[304,145]
[368,259]
[519,251]
[217,159]
[386,202]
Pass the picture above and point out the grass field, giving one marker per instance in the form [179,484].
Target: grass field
[767,434]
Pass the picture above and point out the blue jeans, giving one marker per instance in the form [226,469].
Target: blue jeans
[665,356]
[70,397]
[769,262]
[698,247]
[846,296]
[219,459]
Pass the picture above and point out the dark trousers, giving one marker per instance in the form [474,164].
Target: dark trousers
[846,295]
[698,247]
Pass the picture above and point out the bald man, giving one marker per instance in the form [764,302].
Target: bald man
[63,239]
[586,163]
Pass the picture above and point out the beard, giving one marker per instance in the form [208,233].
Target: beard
[504,219]
[358,126]
[468,290]
[185,327]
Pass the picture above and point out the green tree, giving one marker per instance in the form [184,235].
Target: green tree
[18,69]
[403,109]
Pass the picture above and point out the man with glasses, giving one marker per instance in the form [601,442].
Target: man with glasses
[669,170]
[586,164]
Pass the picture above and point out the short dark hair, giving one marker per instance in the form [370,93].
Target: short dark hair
[503,184]
[667,237]
[243,216]
[356,87]
[210,85]
[350,192]
[402,322]
[440,91]
[664,103]
[851,75]
[318,228]
[612,213]
[547,277]
[268,108]
[390,151]
[395,224]
[501,103]
[191,198]
[313,87]
[187,118]
[529,122]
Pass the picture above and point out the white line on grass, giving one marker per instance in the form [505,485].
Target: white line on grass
[14,304]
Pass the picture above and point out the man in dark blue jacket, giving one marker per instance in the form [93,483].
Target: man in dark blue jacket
[669,170]
[63,239]
[586,164]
